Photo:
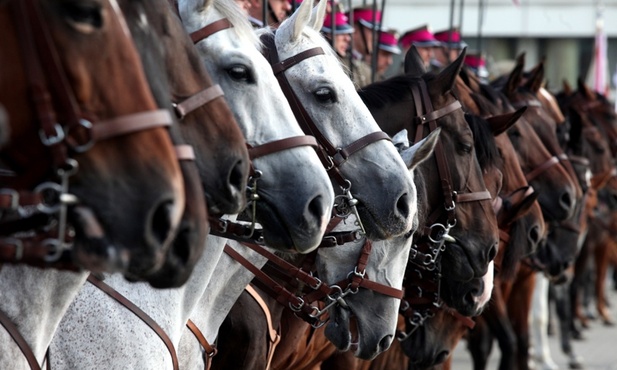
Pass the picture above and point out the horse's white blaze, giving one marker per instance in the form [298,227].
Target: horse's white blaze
[487,280]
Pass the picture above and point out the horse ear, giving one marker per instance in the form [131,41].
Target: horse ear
[317,15]
[567,89]
[500,123]
[414,65]
[515,77]
[534,83]
[583,89]
[421,150]
[188,7]
[445,80]
[400,140]
[291,29]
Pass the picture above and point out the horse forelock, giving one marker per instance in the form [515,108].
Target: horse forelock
[242,27]
[484,142]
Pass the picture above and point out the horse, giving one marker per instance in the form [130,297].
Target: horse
[245,322]
[170,309]
[468,256]
[101,124]
[363,161]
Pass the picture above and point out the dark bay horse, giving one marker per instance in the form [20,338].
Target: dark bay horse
[181,84]
[471,223]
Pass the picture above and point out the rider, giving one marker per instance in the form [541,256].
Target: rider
[477,64]
[387,48]
[362,43]
[451,47]
[424,41]
[278,11]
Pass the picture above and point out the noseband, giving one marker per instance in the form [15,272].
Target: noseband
[51,199]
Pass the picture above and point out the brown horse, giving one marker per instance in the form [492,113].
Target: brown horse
[471,223]
[83,128]
[181,84]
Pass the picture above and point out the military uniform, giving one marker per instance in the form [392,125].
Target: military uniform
[358,71]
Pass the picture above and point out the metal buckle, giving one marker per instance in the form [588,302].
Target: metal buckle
[19,247]
[54,139]
[84,147]
[14,198]
[45,207]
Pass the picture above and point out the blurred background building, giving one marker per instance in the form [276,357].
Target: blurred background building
[562,31]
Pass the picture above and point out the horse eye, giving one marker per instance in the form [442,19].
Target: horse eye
[325,95]
[240,73]
[84,14]
[466,147]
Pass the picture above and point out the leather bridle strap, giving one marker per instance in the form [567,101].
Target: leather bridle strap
[197,100]
[209,351]
[331,156]
[139,313]
[280,145]
[542,168]
[25,348]
[131,123]
[208,30]
[185,152]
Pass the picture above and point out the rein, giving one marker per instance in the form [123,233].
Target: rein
[422,297]
[51,199]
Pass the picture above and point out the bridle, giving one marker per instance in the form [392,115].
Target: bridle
[423,274]
[52,93]
[332,157]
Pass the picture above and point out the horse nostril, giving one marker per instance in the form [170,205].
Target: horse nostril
[566,200]
[402,205]
[385,342]
[317,208]
[160,225]
[441,357]
[534,236]
[492,252]
[237,177]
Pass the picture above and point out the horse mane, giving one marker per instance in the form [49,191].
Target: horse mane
[393,90]
[515,250]
[242,27]
[484,142]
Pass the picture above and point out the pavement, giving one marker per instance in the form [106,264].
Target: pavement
[599,349]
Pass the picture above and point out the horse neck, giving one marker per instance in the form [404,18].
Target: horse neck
[228,281]
[36,300]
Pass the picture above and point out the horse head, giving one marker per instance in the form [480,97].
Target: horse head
[293,206]
[366,320]
[100,147]
[472,241]
[359,156]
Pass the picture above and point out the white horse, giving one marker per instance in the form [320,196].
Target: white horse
[379,178]
[294,207]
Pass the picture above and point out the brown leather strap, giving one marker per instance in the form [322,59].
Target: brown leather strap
[293,60]
[474,196]
[25,348]
[185,152]
[541,168]
[209,351]
[282,144]
[197,100]
[274,335]
[131,123]
[208,30]
[139,313]
[441,112]
[11,199]
[342,155]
